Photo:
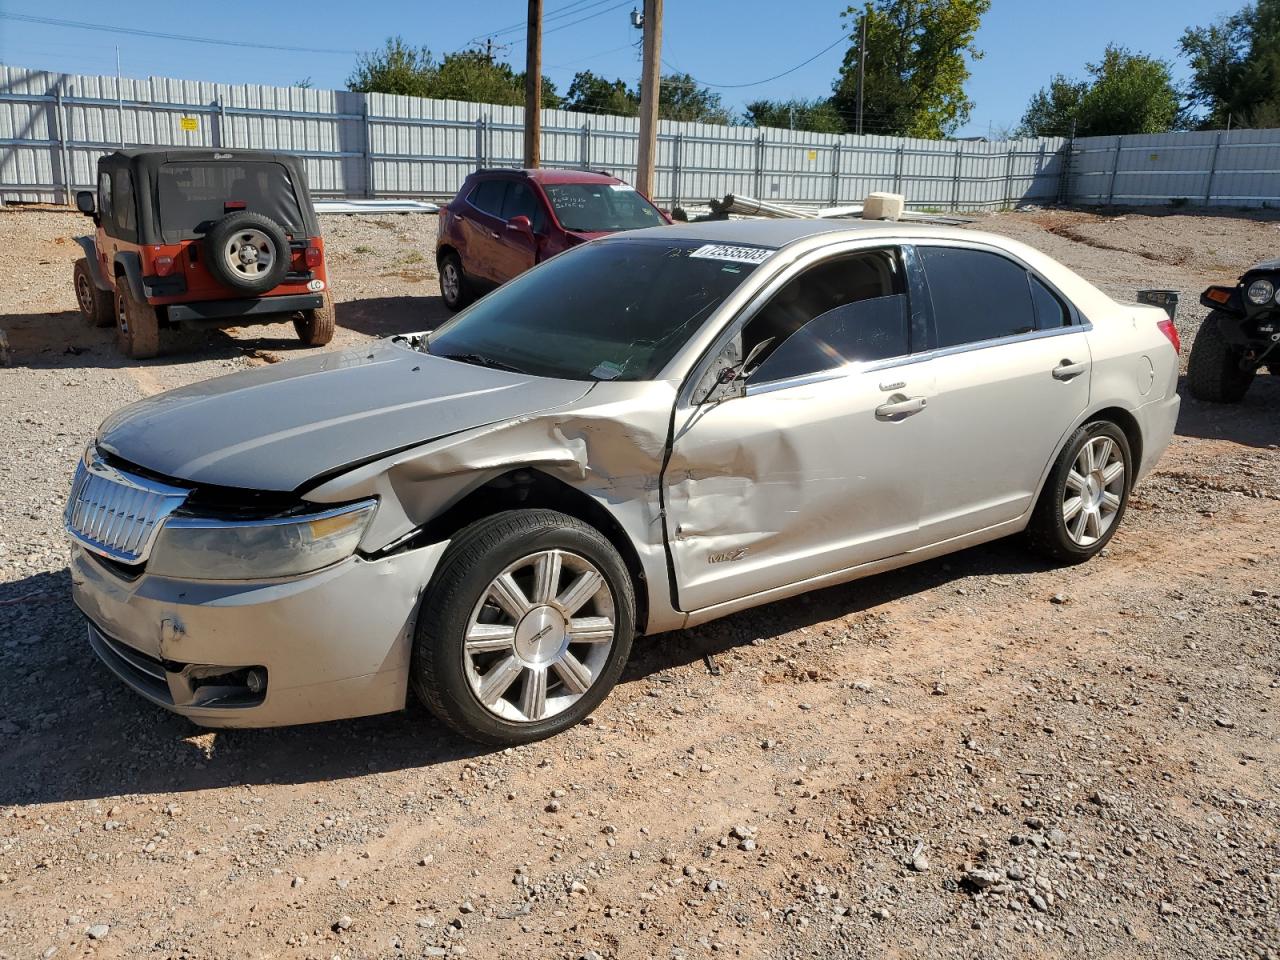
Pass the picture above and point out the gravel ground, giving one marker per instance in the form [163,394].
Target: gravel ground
[977,756]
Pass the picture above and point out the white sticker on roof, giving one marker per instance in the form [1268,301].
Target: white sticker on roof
[622,187]
[724,251]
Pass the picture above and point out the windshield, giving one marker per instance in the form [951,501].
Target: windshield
[615,310]
[594,207]
[193,195]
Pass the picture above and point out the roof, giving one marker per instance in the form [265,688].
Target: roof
[202,153]
[780,233]
[545,175]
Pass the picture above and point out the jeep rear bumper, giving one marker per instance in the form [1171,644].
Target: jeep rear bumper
[256,310]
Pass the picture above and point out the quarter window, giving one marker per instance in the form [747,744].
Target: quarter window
[104,200]
[1050,312]
[488,196]
[976,295]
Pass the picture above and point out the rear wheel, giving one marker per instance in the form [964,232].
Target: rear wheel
[137,325]
[525,628]
[315,329]
[96,306]
[454,288]
[1213,369]
[1085,496]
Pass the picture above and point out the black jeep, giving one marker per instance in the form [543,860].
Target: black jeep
[1239,337]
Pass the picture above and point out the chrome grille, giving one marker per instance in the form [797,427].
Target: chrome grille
[118,514]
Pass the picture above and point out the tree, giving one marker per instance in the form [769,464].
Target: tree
[680,97]
[916,66]
[817,115]
[1235,65]
[591,93]
[396,68]
[1127,93]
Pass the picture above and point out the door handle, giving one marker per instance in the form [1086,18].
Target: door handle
[900,407]
[1067,370]
[494,234]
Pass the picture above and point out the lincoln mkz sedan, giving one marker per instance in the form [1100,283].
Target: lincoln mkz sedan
[649,431]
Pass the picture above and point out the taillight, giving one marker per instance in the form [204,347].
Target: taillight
[313,257]
[163,266]
[1170,331]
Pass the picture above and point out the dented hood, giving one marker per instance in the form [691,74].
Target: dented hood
[277,427]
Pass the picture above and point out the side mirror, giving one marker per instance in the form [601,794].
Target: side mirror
[86,203]
[521,224]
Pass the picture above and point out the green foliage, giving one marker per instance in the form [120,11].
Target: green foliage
[1235,65]
[467,75]
[591,93]
[679,98]
[916,66]
[1126,93]
[818,115]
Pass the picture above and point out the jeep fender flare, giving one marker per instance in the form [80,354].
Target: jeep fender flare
[90,249]
[131,264]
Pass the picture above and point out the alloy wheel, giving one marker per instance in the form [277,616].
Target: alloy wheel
[84,295]
[450,283]
[540,636]
[1094,491]
[249,252]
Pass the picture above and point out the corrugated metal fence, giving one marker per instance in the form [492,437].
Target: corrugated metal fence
[53,127]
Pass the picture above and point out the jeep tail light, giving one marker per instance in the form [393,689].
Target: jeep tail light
[163,265]
[1170,331]
[313,257]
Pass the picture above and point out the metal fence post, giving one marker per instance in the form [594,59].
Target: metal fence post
[759,188]
[1008,174]
[835,173]
[897,168]
[60,122]
[676,151]
[368,148]
[1064,168]
[584,147]
[1115,168]
[479,141]
[955,181]
[1213,166]
[223,139]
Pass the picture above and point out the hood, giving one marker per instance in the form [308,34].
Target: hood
[1265,265]
[277,427]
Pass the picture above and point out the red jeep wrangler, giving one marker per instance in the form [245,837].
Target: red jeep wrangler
[197,237]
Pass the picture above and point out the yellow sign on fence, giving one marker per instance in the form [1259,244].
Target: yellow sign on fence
[189,123]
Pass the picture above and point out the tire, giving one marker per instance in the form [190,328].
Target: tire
[315,329]
[1213,369]
[247,252]
[455,289]
[449,679]
[1055,531]
[137,325]
[96,306]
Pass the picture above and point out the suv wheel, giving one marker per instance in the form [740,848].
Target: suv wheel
[315,329]
[96,306]
[525,628]
[247,252]
[137,326]
[1085,496]
[1213,369]
[454,288]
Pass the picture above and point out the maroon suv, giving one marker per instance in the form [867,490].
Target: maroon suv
[502,222]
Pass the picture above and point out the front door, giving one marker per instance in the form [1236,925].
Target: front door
[820,465]
[515,250]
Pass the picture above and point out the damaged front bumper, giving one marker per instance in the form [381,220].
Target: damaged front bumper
[323,646]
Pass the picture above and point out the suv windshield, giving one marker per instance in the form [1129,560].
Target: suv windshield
[616,310]
[591,207]
[193,195]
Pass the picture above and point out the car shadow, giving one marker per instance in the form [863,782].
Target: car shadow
[1254,422]
[74,732]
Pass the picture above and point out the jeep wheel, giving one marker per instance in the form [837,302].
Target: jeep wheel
[454,288]
[247,252]
[96,306]
[525,628]
[315,329]
[1213,369]
[137,326]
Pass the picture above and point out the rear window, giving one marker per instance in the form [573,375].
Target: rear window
[193,195]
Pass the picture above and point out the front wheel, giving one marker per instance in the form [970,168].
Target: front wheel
[1085,496]
[525,628]
[96,306]
[1213,369]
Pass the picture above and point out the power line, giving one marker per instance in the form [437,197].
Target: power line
[560,13]
[776,76]
[156,35]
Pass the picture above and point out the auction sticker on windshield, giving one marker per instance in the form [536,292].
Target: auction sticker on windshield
[724,251]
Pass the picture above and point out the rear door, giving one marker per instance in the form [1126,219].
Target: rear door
[481,221]
[1011,374]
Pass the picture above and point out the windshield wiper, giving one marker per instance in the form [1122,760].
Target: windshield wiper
[479,361]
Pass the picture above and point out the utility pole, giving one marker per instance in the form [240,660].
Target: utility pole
[650,81]
[533,86]
[119,98]
[862,64]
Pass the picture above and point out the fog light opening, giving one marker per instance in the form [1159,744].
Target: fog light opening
[256,681]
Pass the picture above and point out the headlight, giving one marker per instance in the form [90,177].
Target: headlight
[1261,291]
[200,549]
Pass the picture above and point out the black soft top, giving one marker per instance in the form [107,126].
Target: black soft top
[295,213]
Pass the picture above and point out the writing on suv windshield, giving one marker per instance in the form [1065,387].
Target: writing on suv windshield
[613,310]
[591,207]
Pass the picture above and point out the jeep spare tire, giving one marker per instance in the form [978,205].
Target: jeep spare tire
[247,252]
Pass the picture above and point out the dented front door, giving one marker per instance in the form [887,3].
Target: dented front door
[796,481]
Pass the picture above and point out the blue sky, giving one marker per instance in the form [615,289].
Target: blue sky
[1025,41]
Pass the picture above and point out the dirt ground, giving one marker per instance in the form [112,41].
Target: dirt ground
[980,756]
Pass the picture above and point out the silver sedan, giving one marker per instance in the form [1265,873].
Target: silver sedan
[648,432]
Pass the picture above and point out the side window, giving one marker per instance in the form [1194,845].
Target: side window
[521,202]
[124,209]
[849,309]
[488,196]
[1050,312]
[105,214]
[976,295]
